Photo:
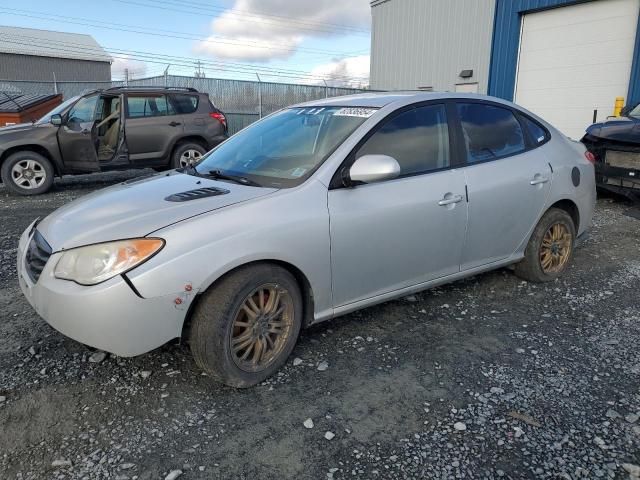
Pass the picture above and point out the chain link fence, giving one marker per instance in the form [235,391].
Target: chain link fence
[242,101]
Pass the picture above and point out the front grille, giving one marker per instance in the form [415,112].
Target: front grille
[630,160]
[38,252]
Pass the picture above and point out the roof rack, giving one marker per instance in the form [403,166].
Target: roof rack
[148,87]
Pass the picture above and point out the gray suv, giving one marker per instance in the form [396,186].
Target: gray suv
[115,129]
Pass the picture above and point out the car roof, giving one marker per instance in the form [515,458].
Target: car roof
[381,99]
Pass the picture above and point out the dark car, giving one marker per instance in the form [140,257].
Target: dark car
[115,129]
[615,144]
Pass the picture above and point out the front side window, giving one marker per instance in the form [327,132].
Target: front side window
[285,148]
[84,110]
[418,139]
[489,131]
[58,110]
[149,106]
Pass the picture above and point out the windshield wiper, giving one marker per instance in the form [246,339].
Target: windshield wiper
[190,169]
[217,174]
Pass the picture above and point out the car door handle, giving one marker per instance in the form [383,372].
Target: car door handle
[537,180]
[448,200]
[174,124]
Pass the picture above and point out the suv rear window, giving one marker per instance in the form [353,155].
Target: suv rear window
[185,103]
[149,106]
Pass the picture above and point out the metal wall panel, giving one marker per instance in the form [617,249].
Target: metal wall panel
[427,43]
[17,67]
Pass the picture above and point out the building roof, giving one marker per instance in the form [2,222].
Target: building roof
[46,43]
[12,103]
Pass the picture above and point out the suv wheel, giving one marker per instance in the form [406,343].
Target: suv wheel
[27,173]
[245,327]
[187,154]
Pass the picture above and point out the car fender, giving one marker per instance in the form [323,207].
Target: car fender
[45,142]
[202,249]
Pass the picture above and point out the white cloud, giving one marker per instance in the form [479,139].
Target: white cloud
[136,68]
[349,72]
[252,36]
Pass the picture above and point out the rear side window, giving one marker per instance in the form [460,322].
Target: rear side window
[490,132]
[185,103]
[538,134]
[149,106]
[418,139]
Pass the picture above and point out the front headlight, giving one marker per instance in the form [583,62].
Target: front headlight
[96,263]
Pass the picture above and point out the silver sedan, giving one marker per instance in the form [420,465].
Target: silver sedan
[313,212]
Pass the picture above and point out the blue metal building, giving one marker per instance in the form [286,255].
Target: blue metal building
[562,59]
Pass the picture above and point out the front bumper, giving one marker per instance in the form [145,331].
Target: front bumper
[109,316]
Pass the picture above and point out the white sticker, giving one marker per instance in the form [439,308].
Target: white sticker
[298,172]
[355,112]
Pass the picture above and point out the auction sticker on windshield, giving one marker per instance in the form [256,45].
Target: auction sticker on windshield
[355,112]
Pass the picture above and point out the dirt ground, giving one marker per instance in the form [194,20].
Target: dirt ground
[489,377]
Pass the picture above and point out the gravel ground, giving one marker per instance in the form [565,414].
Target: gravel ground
[490,377]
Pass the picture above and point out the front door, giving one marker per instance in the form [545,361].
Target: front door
[394,234]
[508,183]
[76,136]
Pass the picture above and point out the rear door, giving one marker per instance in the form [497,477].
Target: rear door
[151,127]
[76,136]
[398,233]
[508,180]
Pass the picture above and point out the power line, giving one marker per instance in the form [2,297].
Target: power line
[284,22]
[161,33]
[162,59]
[143,56]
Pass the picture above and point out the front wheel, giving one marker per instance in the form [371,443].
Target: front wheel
[549,249]
[27,173]
[245,327]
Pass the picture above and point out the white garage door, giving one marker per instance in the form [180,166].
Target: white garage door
[576,59]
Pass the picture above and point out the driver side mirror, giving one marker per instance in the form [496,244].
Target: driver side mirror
[374,168]
[56,119]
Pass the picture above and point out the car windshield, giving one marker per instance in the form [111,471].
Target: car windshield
[285,148]
[635,112]
[59,109]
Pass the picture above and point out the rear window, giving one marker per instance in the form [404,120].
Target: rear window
[538,134]
[490,132]
[185,103]
[149,106]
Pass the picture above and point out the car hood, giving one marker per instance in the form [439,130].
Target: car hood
[616,124]
[20,127]
[137,208]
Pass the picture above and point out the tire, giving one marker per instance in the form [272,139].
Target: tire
[191,150]
[544,263]
[27,173]
[218,319]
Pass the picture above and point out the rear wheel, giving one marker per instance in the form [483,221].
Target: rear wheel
[187,154]
[27,173]
[549,249]
[245,327]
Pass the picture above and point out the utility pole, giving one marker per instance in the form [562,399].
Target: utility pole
[199,73]
[326,89]
[126,77]
[55,83]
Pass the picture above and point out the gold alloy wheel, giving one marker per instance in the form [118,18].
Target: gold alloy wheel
[261,327]
[556,248]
